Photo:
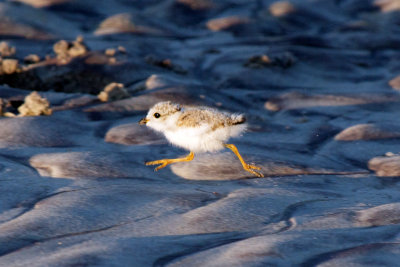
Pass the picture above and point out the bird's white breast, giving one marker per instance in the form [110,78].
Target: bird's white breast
[202,138]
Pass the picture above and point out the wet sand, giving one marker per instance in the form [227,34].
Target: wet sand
[319,84]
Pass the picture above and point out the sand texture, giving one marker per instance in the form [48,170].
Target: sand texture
[318,81]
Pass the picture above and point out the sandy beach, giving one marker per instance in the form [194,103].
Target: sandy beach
[318,81]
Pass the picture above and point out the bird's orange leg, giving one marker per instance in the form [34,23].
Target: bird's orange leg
[248,167]
[165,162]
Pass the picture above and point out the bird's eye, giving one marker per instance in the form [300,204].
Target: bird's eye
[157,115]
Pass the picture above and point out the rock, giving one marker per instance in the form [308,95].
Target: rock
[65,51]
[258,61]
[121,49]
[385,166]
[110,52]
[225,23]
[132,134]
[6,50]
[281,8]
[32,58]
[369,132]
[166,64]
[395,83]
[78,47]
[283,60]
[113,91]
[35,105]
[9,66]
[388,5]
[61,48]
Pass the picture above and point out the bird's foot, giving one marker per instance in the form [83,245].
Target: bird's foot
[163,162]
[250,168]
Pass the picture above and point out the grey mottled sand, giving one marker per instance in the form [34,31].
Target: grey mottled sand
[317,80]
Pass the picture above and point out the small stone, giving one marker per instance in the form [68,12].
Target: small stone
[395,83]
[389,154]
[79,39]
[112,60]
[281,8]
[121,49]
[112,92]
[9,66]
[110,52]
[65,50]
[258,61]
[78,48]
[388,5]
[6,50]
[283,60]
[385,166]
[225,23]
[165,63]
[35,105]
[61,48]
[32,58]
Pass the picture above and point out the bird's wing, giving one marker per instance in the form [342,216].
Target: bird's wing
[202,117]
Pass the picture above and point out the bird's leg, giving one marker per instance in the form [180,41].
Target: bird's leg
[247,167]
[165,162]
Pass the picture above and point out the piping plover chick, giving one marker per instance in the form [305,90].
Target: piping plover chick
[197,129]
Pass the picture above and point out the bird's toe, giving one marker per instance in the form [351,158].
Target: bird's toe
[152,162]
[251,166]
[250,169]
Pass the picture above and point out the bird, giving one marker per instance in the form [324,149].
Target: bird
[197,129]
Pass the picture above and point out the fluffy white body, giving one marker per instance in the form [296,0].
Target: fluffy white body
[196,129]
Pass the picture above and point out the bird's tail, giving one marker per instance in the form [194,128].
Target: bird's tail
[238,119]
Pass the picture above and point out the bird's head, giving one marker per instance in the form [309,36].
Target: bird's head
[161,116]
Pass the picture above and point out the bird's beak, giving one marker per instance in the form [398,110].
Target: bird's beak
[143,121]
